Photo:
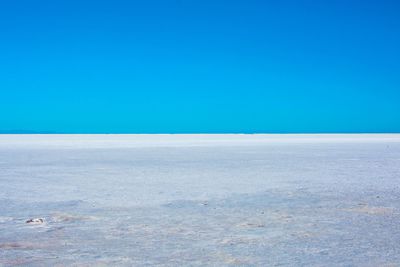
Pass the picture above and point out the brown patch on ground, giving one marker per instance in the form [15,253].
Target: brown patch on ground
[304,234]
[22,245]
[371,210]
[240,240]
[251,224]
[18,262]
[66,217]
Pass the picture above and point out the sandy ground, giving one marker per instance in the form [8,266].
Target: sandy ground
[200,200]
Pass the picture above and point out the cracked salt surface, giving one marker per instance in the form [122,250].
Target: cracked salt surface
[200,200]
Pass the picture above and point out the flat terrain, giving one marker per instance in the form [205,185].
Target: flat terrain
[200,200]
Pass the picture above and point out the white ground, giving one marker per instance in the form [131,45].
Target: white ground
[213,200]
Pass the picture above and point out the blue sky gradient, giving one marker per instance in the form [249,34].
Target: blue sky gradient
[209,66]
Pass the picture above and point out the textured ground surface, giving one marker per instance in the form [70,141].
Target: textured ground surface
[200,200]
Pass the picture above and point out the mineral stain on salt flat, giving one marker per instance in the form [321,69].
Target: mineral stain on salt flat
[225,201]
[365,208]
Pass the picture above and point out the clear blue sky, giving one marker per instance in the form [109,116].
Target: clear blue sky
[191,66]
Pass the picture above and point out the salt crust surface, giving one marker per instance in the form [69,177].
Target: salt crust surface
[173,200]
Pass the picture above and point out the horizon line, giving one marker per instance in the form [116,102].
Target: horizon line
[187,133]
